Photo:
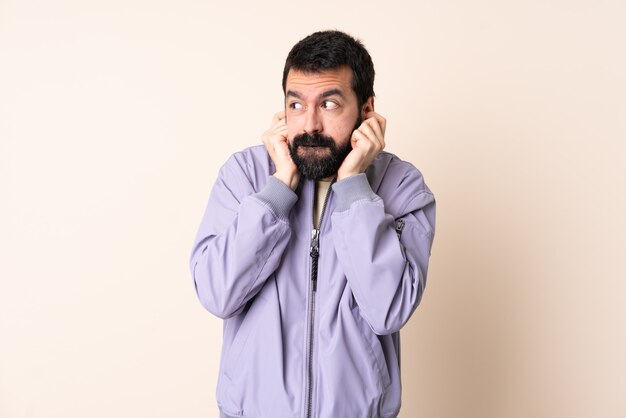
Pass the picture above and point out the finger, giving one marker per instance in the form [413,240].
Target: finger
[374,124]
[279,131]
[360,140]
[380,119]
[369,133]
[275,133]
[280,124]
[379,136]
[278,117]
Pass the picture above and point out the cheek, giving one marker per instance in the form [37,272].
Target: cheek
[343,133]
[342,126]
[293,128]
[291,133]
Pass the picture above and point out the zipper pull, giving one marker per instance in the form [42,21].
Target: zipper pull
[399,227]
[315,243]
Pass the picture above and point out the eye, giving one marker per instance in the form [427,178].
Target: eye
[295,106]
[330,105]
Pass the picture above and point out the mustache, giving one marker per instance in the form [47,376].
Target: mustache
[313,140]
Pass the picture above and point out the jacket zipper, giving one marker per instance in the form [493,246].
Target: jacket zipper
[399,227]
[314,253]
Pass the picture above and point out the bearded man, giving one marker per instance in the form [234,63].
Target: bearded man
[314,249]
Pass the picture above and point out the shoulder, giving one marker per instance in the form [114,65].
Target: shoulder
[249,166]
[389,170]
[399,183]
[250,158]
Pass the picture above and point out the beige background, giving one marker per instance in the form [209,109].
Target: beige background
[116,115]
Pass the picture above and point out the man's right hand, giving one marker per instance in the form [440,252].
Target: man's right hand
[275,141]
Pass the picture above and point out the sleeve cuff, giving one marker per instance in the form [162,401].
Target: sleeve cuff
[352,189]
[278,196]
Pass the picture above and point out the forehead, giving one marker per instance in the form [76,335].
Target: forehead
[311,83]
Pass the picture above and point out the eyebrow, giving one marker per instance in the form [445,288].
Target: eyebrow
[327,93]
[295,94]
[332,92]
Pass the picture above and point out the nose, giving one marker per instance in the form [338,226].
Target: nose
[313,122]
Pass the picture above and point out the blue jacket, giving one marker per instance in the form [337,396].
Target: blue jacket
[312,319]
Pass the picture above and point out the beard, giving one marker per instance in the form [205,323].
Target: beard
[320,157]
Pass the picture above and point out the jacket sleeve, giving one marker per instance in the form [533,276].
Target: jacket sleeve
[240,240]
[385,260]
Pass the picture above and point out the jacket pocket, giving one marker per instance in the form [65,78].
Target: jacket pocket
[233,353]
[373,345]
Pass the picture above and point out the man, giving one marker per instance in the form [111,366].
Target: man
[314,249]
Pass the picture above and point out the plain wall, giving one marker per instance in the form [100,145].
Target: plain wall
[115,117]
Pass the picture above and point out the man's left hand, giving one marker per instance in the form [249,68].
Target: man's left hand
[367,141]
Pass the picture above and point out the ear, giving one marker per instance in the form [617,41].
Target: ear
[367,107]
